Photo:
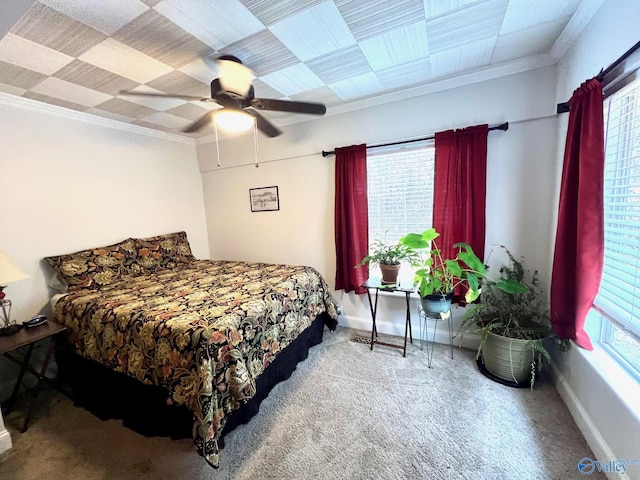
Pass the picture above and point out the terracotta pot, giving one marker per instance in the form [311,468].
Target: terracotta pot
[389,273]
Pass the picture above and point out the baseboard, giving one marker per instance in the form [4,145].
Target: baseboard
[470,341]
[588,429]
[5,441]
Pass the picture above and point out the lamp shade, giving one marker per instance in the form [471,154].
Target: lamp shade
[9,271]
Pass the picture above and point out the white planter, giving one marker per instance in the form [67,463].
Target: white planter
[508,358]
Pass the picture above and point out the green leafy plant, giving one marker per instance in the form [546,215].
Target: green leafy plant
[518,314]
[386,253]
[437,275]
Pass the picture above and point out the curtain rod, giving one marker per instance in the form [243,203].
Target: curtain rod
[564,107]
[503,126]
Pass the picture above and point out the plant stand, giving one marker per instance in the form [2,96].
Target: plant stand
[424,327]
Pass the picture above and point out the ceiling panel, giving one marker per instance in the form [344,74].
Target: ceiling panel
[314,32]
[398,46]
[81,55]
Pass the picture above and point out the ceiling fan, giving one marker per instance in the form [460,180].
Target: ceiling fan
[234,92]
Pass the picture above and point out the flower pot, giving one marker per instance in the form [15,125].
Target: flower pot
[508,358]
[389,273]
[437,303]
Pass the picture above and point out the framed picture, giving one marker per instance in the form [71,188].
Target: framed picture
[264,199]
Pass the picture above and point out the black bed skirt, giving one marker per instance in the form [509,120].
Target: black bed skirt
[143,408]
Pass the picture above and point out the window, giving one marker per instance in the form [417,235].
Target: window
[400,191]
[618,301]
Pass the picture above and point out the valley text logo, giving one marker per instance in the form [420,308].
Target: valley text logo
[587,466]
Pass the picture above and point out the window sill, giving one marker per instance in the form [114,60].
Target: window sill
[622,383]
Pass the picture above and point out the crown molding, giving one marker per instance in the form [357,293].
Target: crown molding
[582,16]
[33,105]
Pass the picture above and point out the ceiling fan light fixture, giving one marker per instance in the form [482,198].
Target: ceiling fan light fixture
[233,120]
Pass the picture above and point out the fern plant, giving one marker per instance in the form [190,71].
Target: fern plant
[519,315]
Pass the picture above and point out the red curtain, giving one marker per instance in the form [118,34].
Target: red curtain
[579,250]
[351,217]
[460,190]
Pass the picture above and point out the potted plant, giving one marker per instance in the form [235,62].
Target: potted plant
[437,277]
[388,256]
[512,326]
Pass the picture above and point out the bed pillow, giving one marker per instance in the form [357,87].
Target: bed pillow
[96,267]
[163,251]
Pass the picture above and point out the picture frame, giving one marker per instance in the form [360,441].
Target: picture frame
[264,199]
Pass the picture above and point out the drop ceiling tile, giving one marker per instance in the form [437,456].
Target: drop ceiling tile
[319,95]
[19,77]
[70,92]
[529,41]
[272,11]
[441,7]
[395,47]
[167,120]
[57,31]
[93,13]
[110,115]
[264,90]
[156,36]
[338,65]
[314,32]
[405,75]
[360,86]
[55,101]
[159,104]
[11,90]
[291,80]
[217,24]
[94,77]
[200,70]
[125,108]
[465,57]
[178,83]
[191,111]
[262,52]
[367,18]
[466,25]
[521,15]
[30,55]
[123,60]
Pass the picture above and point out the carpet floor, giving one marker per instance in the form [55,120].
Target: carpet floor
[346,413]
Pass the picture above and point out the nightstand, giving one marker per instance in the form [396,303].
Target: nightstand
[28,337]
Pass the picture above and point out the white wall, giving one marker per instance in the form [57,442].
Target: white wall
[602,398]
[519,179]
[67,185]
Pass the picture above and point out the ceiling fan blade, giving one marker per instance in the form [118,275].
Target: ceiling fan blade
[288,106]
[199,123]
[264,125]
[166,95]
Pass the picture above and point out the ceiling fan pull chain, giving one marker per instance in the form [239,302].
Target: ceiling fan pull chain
[255,140]
[215,126]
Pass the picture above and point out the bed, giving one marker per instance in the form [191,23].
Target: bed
[208,333]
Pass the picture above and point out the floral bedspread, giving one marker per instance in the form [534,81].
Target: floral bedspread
[205,331]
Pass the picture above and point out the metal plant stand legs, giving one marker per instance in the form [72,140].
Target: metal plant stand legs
[424,334]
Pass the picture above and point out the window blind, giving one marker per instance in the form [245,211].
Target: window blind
[619,295]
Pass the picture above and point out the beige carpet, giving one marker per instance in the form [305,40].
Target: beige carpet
[346,413]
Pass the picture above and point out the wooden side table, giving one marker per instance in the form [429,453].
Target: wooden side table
[377,285]
[29,337]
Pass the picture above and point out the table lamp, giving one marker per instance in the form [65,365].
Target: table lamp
[9,272]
